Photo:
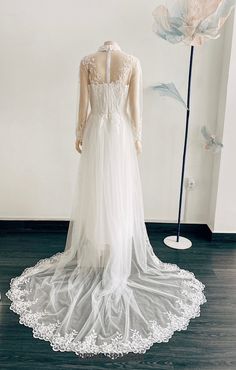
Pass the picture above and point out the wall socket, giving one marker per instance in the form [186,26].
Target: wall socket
[190,183]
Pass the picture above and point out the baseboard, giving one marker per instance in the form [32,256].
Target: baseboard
[33,226]
[170,227]
[157,227]
[223,237]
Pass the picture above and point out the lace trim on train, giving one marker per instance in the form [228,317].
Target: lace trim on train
[117,347]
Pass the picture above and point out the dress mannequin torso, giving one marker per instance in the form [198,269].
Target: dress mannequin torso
[109,64]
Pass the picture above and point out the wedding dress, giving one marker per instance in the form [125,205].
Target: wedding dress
[107,292]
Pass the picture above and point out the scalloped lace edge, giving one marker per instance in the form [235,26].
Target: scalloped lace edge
[117,347]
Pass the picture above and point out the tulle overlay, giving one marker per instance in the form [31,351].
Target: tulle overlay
[107,292]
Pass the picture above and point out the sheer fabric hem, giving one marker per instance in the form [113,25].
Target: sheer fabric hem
[117,347]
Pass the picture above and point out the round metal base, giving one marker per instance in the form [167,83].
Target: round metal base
[183,243]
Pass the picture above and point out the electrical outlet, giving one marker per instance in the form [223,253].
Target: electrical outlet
[190,184]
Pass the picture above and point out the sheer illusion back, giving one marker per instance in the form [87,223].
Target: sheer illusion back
[107,292]
[110,66]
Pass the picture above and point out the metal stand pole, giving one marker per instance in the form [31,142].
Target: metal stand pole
[178,242]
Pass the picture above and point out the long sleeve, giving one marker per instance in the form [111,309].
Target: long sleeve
[135,100]
[83,100]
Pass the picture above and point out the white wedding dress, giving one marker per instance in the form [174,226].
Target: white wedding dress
[107,292]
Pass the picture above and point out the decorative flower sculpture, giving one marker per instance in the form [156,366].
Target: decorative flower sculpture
[191,21]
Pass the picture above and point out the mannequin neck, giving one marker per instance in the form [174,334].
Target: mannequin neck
[109,45]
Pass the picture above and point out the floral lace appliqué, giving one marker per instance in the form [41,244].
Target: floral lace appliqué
[123,73]
[117,346]
[93,75]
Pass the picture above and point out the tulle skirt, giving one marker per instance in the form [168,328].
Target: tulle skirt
[107,292]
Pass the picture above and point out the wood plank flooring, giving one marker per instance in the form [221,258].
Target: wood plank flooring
[209,343]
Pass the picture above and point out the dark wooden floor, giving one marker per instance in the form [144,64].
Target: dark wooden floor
[209,343]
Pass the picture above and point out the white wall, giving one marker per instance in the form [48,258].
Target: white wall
[42,43]
[223,210]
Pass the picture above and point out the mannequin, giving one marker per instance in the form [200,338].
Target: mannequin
[116,51]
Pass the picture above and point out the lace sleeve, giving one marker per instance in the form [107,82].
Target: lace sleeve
[83,100]
[136,100]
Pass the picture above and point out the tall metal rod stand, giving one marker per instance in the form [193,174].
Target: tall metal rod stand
[185,139]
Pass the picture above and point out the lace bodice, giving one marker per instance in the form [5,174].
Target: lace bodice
[110,67]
